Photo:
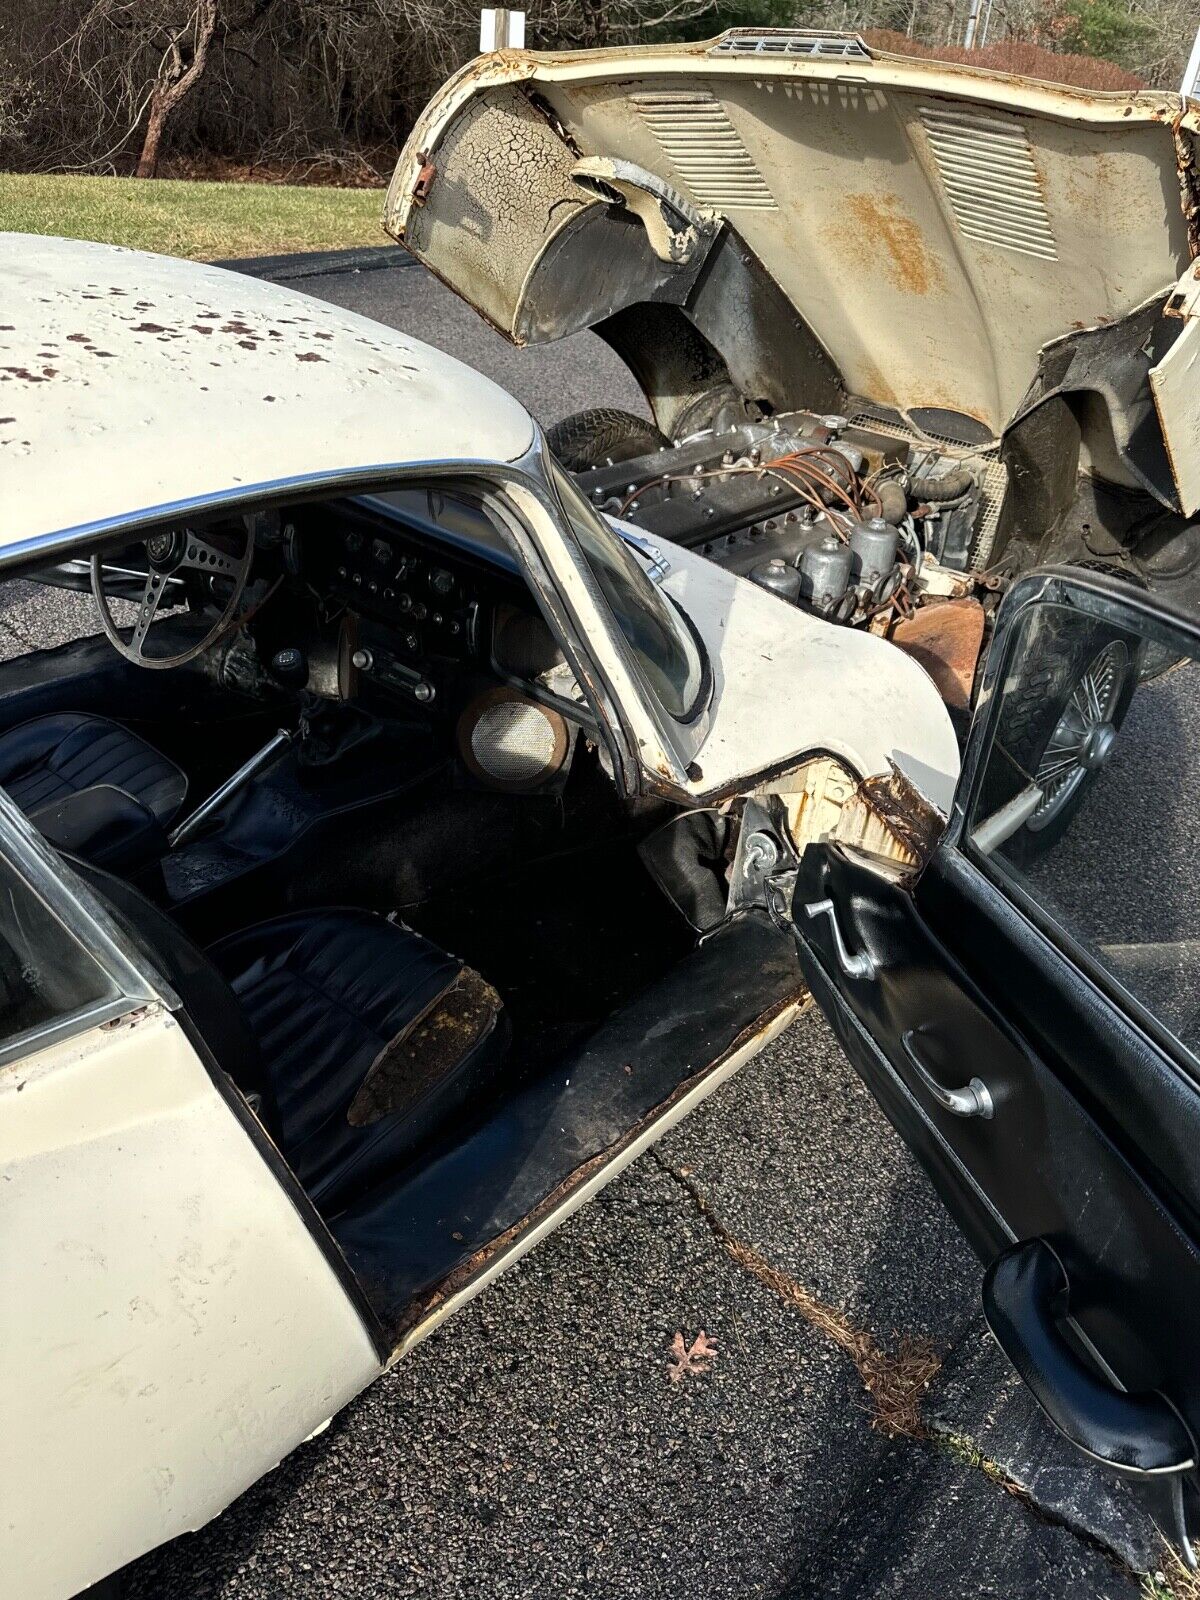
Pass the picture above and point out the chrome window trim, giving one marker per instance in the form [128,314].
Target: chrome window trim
[72,904]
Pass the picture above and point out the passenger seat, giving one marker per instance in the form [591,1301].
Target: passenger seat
[369,1036]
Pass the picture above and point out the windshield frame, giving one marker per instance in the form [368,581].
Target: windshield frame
[636,562]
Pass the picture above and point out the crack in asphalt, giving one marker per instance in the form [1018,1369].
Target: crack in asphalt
[895,1380]
[895,1383]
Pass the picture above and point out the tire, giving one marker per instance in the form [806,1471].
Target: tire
[602,437]
[1074,691]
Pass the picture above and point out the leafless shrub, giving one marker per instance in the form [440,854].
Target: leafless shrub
[306,85]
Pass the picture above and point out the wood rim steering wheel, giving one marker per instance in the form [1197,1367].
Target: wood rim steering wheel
[178,550]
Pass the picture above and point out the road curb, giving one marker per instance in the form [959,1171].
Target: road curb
[320,263]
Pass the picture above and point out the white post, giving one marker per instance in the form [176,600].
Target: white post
[501,29]
[1191,76]
[972,24]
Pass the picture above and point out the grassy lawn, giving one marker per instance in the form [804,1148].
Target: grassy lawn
[206,221]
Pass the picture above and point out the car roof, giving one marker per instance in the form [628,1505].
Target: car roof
[133,383]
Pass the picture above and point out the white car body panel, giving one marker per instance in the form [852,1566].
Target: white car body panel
[170,1327]
[933,224]
[790,683]
[171,1324]
[107,371]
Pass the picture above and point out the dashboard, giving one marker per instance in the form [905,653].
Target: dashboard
[425,593]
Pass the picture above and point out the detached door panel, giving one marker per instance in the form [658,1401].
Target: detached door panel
[1026,1009]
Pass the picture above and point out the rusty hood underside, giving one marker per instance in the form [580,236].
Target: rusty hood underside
[930,226]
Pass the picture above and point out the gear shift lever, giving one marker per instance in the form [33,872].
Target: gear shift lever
[274,746]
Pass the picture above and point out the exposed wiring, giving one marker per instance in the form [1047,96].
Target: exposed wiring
[814,472]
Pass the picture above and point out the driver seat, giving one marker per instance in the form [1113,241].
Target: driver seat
[92,786]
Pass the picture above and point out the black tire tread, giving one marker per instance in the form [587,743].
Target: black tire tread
[588,439]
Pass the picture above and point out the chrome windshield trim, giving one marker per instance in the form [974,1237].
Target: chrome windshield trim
[682,738]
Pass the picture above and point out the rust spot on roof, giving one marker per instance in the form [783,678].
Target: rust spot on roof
[309,355]
[149,327]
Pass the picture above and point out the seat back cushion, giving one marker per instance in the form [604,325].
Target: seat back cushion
[49,757]
[328,995]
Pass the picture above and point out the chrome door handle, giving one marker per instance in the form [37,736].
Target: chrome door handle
[860,966]
[974,1100]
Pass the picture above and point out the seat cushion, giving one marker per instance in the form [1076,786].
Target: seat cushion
[326,993]
[61,754]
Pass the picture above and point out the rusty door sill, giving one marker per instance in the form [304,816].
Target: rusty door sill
[418,1242]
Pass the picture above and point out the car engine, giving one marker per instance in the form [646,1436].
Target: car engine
[859,521]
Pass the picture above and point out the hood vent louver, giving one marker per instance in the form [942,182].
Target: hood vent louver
[705,148]
[797,42]
[988,172]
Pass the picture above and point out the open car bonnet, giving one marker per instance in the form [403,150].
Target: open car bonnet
[918,230]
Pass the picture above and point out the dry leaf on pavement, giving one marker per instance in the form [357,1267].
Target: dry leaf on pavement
[697,1358]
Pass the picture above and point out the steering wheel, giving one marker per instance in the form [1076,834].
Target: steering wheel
[167,554]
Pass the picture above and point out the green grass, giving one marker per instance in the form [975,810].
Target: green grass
[205,221]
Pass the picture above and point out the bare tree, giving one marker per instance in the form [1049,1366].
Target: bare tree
[180,69]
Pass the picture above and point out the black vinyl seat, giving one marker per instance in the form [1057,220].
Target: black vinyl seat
[300,1010]
[51,757]
[330,996]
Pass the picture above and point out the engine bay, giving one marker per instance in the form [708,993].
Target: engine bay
[860,520]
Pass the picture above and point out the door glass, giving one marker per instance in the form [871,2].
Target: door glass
[1090,794]
[44,972]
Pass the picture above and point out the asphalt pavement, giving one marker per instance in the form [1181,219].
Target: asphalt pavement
[534,1446]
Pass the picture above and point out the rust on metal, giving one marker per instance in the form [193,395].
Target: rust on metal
[889,817]
[1189,182]
[945,638]
[479,1260]
[423,181]
[879,218]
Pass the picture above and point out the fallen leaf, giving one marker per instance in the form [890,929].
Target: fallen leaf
[697,1358]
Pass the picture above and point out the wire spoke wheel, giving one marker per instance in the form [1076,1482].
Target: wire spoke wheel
[1084,734]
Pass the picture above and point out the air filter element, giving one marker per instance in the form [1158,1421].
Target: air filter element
[510,742]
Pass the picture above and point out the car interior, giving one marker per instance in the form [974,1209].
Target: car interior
[327,767]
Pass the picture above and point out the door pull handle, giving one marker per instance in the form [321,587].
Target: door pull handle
[973,1100]
[859,966]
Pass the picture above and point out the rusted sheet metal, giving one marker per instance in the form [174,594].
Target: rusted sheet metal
[242,376]
[746,1044]
[423,181]
[945,638]
[1189,179]
[929,276]
[888,816]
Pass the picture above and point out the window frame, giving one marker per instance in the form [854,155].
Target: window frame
[1135,610]
[133,981]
